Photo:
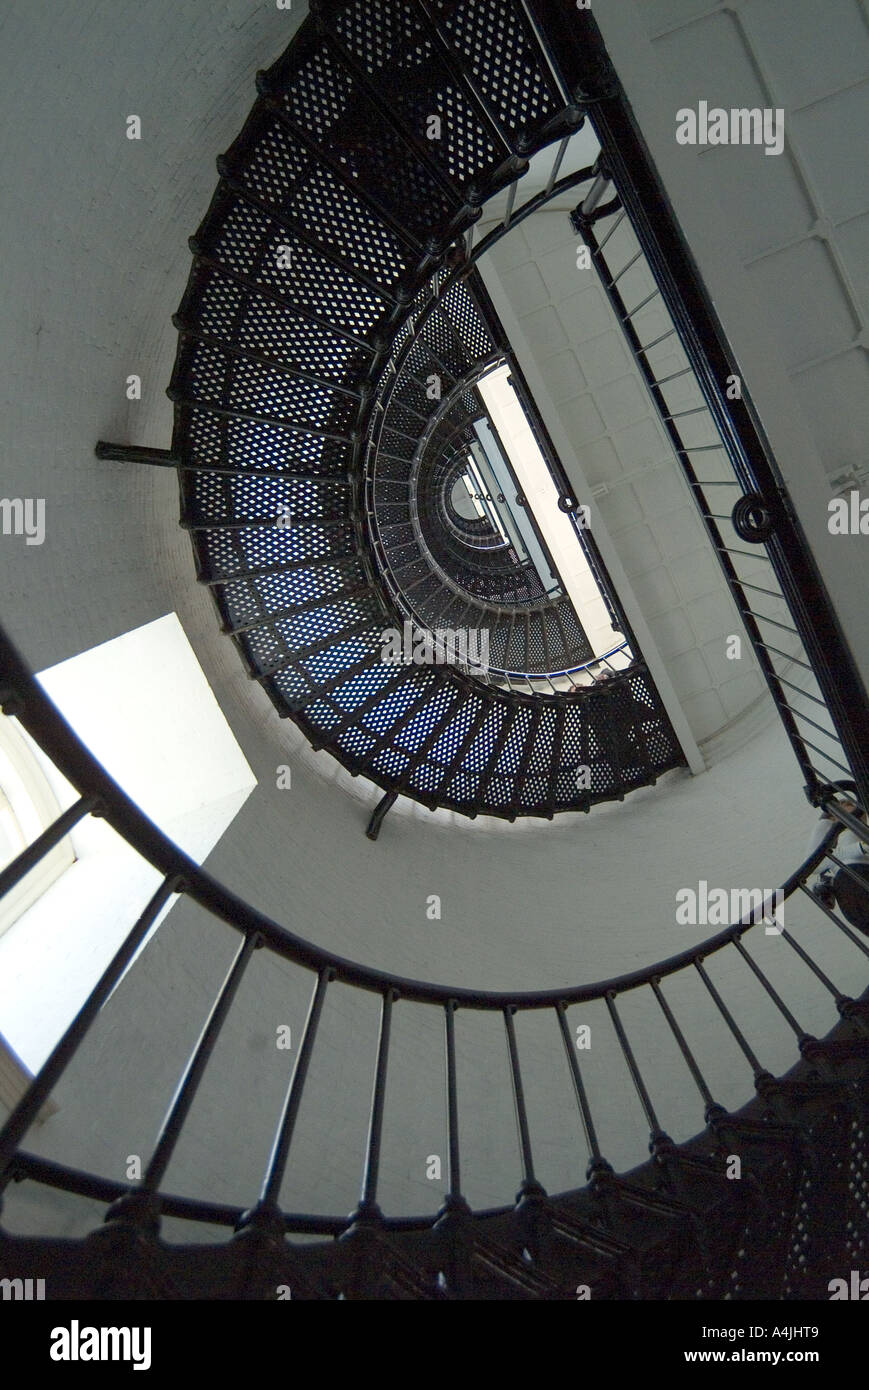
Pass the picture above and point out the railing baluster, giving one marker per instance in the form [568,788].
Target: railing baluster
[618,222]
[594,197]
[690,1062]
[368,1201]
[680,414]
[557,165]
[798,714]
[773,994]
[45,843]
[770,593]
[855,940]
[597,1162]
[511,198]
[636,1076]
[529,1181]
[841,766]
[283,1138]
[815,969]
[185,1092]
[45,1081]
[673,376]
[452,1100]
[647,347]
[805,694]
[624,270]
[788,656]
[773,622]
[753,1062]
[642,304]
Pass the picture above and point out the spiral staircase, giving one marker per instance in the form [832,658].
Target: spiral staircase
[333,279]
[330,283]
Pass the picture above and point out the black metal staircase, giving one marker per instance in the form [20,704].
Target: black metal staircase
[676,1227]
[305,441]
[330,279]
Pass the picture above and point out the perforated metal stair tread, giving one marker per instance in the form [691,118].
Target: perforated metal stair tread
[334,208]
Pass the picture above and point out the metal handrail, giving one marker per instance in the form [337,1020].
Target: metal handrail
[628,166]
[23,698]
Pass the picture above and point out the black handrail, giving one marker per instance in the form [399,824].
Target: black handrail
[21,697]
[579,51]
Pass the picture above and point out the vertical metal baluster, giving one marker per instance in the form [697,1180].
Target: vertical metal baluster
[712,1106]
[511,198]
[833,918]
[802,1035]
[848,869]
[597,1162]
[753,1062]
[557,165]
[657,1134]
[283,1138]
[45,843]
[595,195]
[529,1182]
[368,1201]
[185,1092]
[452,1101]
[816,970]
[44,1082]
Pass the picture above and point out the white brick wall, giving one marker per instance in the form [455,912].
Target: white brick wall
[782,242]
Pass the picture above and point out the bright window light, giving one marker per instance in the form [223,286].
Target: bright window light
[541,496]
[143,706]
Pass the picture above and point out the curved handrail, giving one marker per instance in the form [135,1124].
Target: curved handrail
[22,698]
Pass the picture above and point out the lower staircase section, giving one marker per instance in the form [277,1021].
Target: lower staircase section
[769,1203]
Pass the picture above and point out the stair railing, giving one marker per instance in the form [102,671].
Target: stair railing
[98,794]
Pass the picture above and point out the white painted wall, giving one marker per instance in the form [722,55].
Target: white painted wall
[782,242]
[142,705]
[95,262]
